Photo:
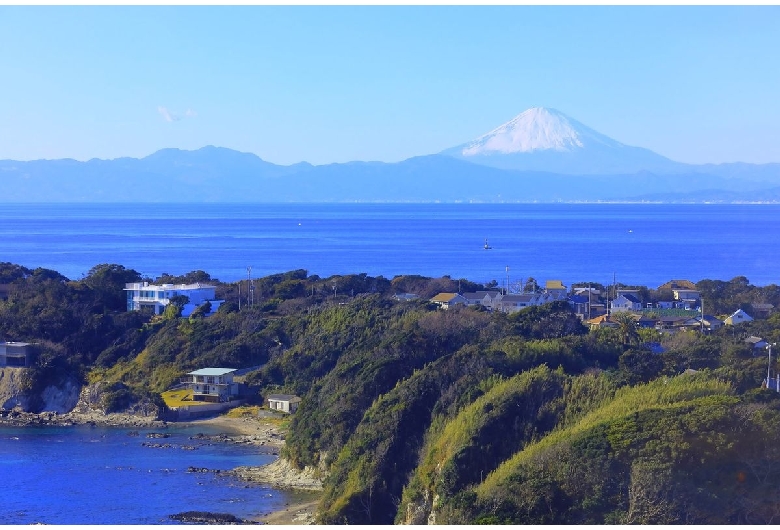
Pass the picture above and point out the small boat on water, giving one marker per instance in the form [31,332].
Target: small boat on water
[487,247]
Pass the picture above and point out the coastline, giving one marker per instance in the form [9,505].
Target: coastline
[304,486]
[17,418]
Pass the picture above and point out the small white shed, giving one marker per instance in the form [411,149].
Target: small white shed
[283,402]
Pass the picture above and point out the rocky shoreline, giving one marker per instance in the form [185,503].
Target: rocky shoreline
[279,474]
[16,418]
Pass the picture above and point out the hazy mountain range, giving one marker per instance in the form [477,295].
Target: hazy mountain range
[540,155]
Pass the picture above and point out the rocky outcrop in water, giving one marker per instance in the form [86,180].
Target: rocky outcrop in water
[195,517]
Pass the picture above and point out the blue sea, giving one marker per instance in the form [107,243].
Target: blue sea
[640,244]
[100,475]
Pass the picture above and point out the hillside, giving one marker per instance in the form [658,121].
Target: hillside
[413,414]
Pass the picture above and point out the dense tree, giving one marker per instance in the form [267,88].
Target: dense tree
[415,414]
[627,327]
[188,278]
[107,282]
[10,272]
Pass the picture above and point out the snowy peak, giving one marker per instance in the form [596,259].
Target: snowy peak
[541,139]
[534,130]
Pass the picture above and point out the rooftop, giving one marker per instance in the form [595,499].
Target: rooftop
[166,286]
[284,397]
[212,371]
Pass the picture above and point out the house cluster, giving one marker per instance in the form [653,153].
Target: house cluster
[155,298]
[504,302]
[681,306]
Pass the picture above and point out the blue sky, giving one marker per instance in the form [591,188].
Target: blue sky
[334,84]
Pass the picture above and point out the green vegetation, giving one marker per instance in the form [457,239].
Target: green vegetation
[417,415]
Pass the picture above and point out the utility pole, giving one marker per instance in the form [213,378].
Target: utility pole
[250,296]
[702,316]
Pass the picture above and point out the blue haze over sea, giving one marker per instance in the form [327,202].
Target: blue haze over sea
[641,244]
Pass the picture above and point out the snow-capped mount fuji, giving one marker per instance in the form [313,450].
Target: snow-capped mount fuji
[537,129]
[541,139]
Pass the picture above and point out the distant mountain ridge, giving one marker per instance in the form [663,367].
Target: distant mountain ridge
[541,155]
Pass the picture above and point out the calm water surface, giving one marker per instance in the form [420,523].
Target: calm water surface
[98,475]
[646,244]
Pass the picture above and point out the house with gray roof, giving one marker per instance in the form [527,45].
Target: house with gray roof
[283,402]
[214,385]
[625,302]
[509,303]
[482,298]
[762,310]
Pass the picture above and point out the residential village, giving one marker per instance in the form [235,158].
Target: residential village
[675,306]
[679,305]
[679,308]
[682,310]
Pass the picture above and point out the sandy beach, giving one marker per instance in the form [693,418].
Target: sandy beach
[305,486]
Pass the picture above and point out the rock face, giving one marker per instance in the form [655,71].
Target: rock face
[11,389]
[421,512]
[55,398]
[91,407]
[67,403]
[61,398]
[281,474]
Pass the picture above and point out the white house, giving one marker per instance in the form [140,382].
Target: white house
[738,317]
[483,298]
[686,295]
[509,303]
[283,402]
[214,385]
[155,298]
[625,302]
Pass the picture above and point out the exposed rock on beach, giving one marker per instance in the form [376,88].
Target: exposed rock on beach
[280,474]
